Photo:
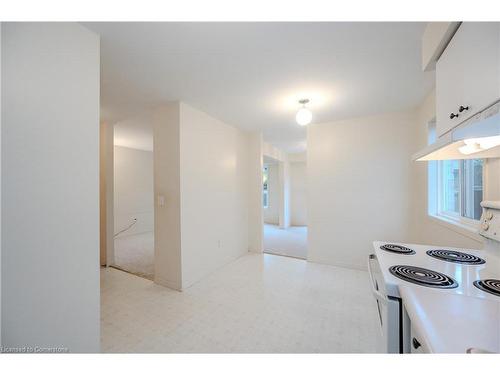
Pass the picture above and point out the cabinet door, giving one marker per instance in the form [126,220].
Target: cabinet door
[449,86]
[468,73]
[481,81]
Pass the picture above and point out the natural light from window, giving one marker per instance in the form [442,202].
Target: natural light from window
[455,187]
[265,186]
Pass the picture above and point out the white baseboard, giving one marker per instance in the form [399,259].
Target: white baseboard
[168,283]
[340,264]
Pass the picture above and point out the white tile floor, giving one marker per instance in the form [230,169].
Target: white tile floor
[257,304]
[290,242]
[135,253]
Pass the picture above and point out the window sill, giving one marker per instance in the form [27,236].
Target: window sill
[458,227]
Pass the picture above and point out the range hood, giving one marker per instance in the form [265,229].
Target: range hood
[475,138]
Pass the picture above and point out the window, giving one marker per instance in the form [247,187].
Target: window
[460,188]
[472,188]
[265,186]
[455,187]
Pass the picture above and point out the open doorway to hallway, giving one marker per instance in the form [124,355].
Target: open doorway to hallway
[134,210]
[127,196]
[285,205]
[132,197]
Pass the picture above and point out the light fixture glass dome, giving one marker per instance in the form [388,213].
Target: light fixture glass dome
[303,116]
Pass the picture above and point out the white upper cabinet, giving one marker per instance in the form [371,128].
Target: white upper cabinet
[467,74]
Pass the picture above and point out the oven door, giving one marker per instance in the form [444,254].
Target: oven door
[388,311]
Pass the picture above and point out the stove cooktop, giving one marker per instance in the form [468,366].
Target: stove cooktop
[456,268]
[455,256]
[491,286]
[423,276]
[398,249]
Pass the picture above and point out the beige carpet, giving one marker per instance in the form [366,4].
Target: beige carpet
[135,254]
[290,242]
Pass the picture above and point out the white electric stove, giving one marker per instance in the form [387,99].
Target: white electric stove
[445,270]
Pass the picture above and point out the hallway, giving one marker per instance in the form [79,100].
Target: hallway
[135,254]
[291,242]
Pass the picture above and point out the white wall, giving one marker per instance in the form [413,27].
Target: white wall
[363,186]
[50,186]
[0,185]
[214,159]
[284,177]
[272,212]
[133,190]
[167,230]
[106,200]
[208,173]
[298,193]
[358,186]
[255,210]
[492,189]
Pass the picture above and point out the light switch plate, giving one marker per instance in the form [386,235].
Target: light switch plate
[161,200]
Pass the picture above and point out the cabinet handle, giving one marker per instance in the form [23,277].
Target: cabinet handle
[415,343]
[453,115]
[462,108]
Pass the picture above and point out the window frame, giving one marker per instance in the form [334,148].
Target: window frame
[435,192]
[452,215]
[265,191]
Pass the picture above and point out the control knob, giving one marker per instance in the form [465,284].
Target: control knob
[485,226]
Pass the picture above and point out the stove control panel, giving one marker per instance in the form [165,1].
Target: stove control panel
[490,220]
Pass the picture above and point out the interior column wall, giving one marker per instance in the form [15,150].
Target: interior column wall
[110,218]
[167,195]
[214,169]
[298,193]
[1,26]
[50,186]
[255,210]
[106,194]
[208,175]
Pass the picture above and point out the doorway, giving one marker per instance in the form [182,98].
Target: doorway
[127,185]
[285,206]
[134,210]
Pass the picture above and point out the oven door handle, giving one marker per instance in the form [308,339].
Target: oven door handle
[375,291]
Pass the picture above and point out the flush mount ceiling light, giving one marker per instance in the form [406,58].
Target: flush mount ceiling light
[304,115]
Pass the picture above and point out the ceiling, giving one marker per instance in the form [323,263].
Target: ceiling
[251,75]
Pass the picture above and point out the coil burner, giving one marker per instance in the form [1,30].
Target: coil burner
[491,286]
[399,249]
[423,276]
[455,257]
